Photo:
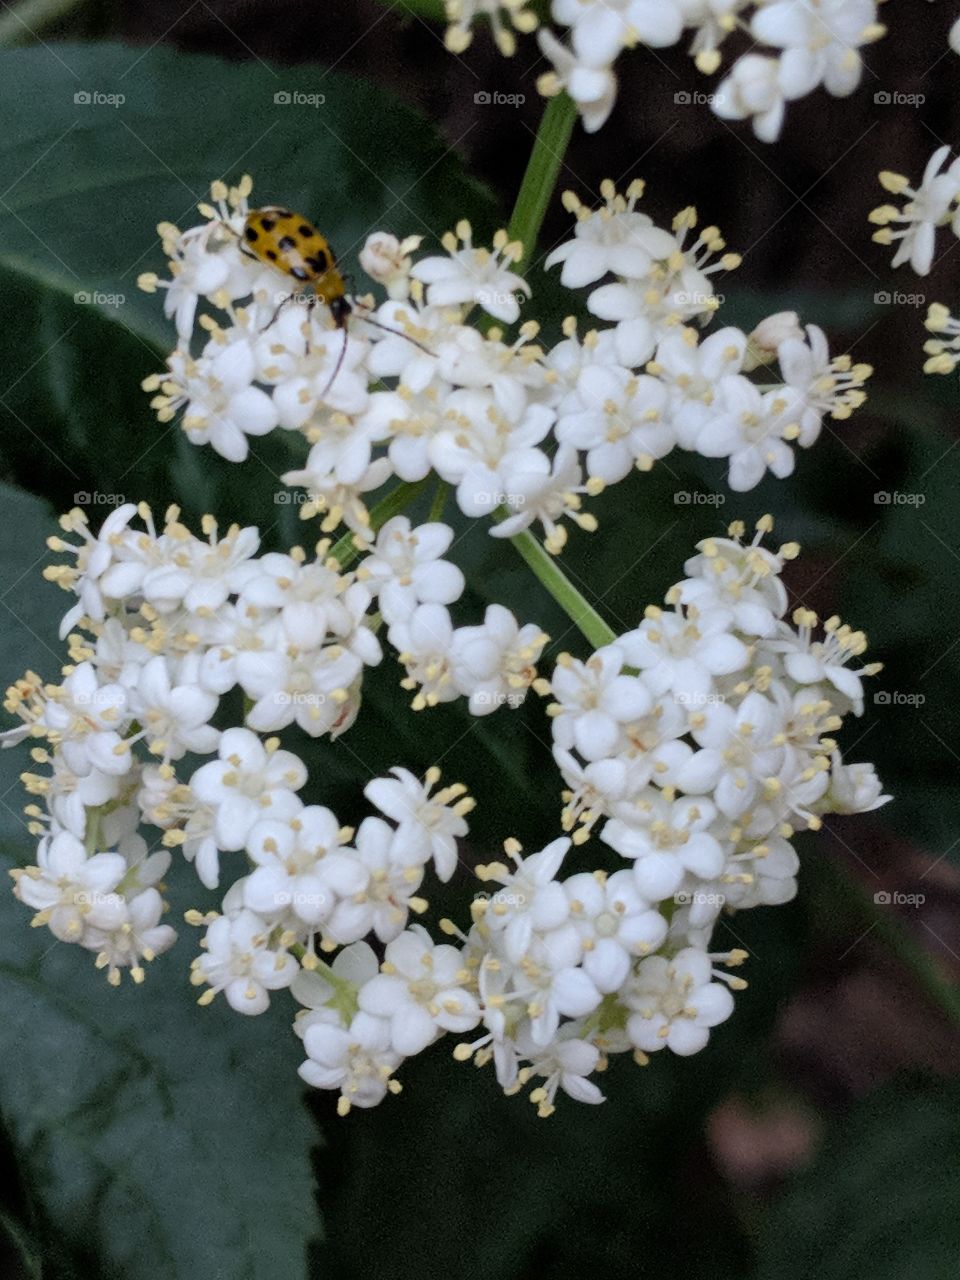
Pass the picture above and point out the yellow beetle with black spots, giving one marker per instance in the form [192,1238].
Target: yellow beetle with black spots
[291,243]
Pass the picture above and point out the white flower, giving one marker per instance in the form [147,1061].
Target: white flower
[421,990]
[423,646]
[824,385]
[95,556]
[356,1059]
[565,1065]
[612,239]
[472,275]
[530,899]
[954,38]
[854,788]
[314,687]
[619,422]
[691,370]
[740,752]
[315,601]
[199,575]
[140,935]
[248,782]
[594,701]
[754,89]
[615,923]
[602,29]
[88,720]
[538,488]
[742,579]
[221,405]
[70,891]
[384,904]
[387,260]
[667,837]
[174,718]
[239,961]
[682,651]
[429,822]
[302,869]
[811,661]
[495,664]
[751,428]
[822,40]
[675,1003]
[590,82]
[406,569]
[929,207]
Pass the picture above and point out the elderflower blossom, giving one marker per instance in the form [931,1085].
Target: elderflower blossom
[526,436]
[803,46]
[694,744]
[932,205]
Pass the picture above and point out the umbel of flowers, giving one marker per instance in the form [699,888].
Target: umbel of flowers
[525,434]
[689,751]
[791,48]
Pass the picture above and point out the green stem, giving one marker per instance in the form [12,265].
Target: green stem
[540,178]
[21,24]
[345,550]
[576,606]
[439,502]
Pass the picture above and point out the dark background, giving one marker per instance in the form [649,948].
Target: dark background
[838,1069]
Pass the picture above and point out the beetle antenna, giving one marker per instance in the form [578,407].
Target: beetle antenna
[338,366]
[397,333]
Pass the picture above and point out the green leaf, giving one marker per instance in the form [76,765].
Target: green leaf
[86,183]
[168,1141]
[881,1199]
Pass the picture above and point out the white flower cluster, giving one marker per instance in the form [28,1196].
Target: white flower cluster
[807,44]
[935,203]
[702,740]
[170,628]
[522,433]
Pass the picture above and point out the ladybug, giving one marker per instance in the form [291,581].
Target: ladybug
[291,243]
